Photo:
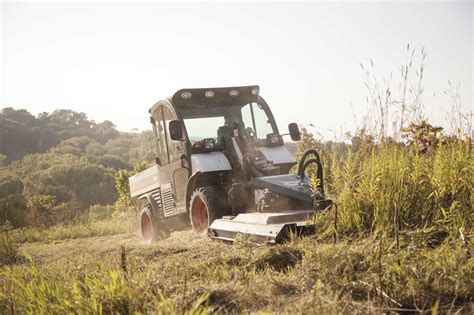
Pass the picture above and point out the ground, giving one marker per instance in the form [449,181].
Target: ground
[117,273]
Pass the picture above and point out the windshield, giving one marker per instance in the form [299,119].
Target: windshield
[203,128]
[252,115]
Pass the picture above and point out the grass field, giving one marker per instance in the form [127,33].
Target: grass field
[113,272]
[403,243]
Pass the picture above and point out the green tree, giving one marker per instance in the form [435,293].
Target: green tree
[47,210]
[125,202]
[10,184]
[14,209]
[21,133]
[53,167]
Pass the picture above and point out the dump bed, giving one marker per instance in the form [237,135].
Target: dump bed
[144,181]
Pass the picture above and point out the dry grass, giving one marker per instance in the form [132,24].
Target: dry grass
[9,250]
[74,231]
[424,265]
[185,272]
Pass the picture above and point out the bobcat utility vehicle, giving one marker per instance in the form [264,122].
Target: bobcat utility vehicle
[222,168]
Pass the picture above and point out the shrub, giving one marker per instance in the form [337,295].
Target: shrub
[99,212]
[9,253]
[14,209]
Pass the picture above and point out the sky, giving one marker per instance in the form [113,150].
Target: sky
[114,60]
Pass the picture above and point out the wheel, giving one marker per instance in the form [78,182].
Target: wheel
[207,204]
[151,228]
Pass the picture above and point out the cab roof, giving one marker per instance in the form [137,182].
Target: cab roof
[208,102]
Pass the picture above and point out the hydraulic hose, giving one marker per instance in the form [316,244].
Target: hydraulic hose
[303,165]
[303,159]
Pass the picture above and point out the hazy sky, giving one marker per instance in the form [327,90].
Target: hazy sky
[114,60]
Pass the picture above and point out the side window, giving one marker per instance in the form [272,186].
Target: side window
[247,116]
[262,122]
[159,130]
[175,147]
[256,120]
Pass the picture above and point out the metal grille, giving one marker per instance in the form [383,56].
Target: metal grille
[168,202]
[156,195]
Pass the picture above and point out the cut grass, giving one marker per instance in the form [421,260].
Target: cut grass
[74,231]
[185,272]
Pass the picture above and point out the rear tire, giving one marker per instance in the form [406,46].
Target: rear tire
[151,229]
[207,204]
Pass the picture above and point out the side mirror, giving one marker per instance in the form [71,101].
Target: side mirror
[175,129]
[294,132]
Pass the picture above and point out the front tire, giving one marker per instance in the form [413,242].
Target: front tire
[207,204]
[152,230]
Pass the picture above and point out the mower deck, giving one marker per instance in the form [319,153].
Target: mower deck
[263,228]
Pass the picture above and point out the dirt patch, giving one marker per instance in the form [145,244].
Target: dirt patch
[436,239]
[235,261]
[222,300]
[278,259]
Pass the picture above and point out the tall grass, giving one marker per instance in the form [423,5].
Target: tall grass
[426,190]
[9,250]
[382,183]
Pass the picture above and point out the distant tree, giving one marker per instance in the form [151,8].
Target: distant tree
[14,209]
[47,210]
[21,133]
[105,131]
[10,184]
[65,176]
[18,115]
[112,161]
[16,137]
[53,167]
[76,146]
[70,118]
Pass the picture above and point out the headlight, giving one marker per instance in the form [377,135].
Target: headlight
[209,94]
[255,91]
[186,95]
[234,93]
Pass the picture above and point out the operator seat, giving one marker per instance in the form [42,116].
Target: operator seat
[224,131]
[230,119]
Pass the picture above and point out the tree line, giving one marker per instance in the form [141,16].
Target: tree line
[55,166]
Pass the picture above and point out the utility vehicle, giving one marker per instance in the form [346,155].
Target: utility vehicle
[222,168]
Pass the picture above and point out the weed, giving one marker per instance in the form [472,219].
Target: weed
[9,251]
